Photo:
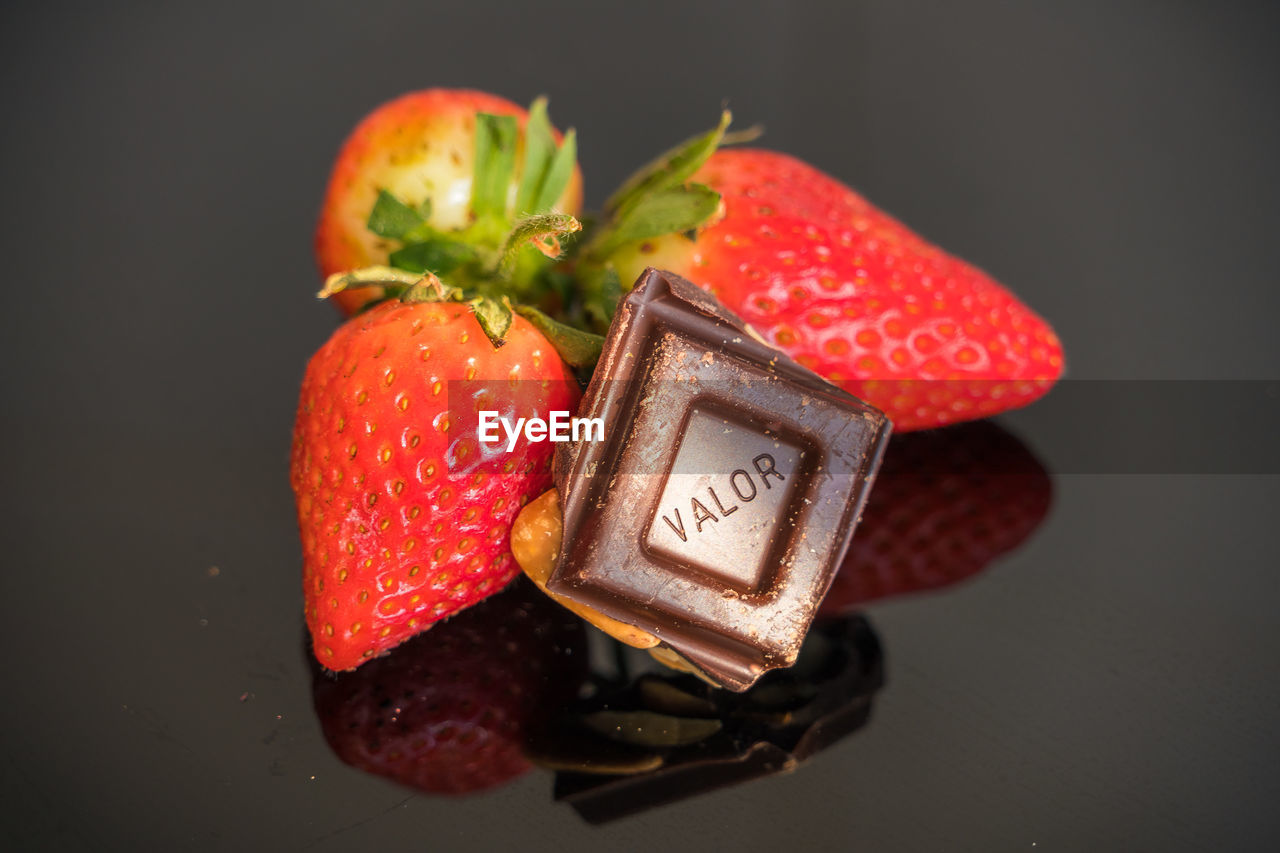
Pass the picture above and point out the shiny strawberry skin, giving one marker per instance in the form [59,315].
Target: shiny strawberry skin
[418,146]
[947,503]
[853,294]
[404,517]
[448,711]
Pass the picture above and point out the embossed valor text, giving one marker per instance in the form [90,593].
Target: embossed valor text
[741,483]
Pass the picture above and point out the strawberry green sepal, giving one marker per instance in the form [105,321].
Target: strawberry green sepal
[495,163]
[658,200]
[494,317]
[423,248]
[429,288]
[542,231]
[494,314]
[392,218]
[547,168]
[575,347]
[671,169]
[660,211]
[393,281]
[506,267]
[490,257]
[602,289]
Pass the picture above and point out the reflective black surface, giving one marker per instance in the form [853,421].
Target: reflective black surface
[1107,683]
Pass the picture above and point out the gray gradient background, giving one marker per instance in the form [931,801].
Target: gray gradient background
[1112,686]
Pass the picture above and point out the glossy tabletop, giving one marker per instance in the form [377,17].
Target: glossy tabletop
[1056,633]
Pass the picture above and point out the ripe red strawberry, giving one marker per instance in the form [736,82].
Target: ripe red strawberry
[421,148]
[448,711]
[946,504]
[405,517]
[837,284]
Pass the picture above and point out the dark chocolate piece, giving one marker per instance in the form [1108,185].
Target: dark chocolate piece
[718,506]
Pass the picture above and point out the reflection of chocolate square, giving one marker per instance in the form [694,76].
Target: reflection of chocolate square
[784,720]
[717,508]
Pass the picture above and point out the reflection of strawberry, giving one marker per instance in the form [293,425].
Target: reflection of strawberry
[831,280]
[946,503]
[404,517]
[447,712]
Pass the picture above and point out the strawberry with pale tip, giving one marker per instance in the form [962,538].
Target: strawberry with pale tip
[434,180]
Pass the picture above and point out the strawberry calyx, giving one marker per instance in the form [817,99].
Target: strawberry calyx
[542,231]
[430,288]
[506,253]
[657,200]
[374,276]
[576,347]
[494,313]
[507,248]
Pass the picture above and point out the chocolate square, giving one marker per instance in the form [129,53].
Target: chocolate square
[730,519]
[719,504]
